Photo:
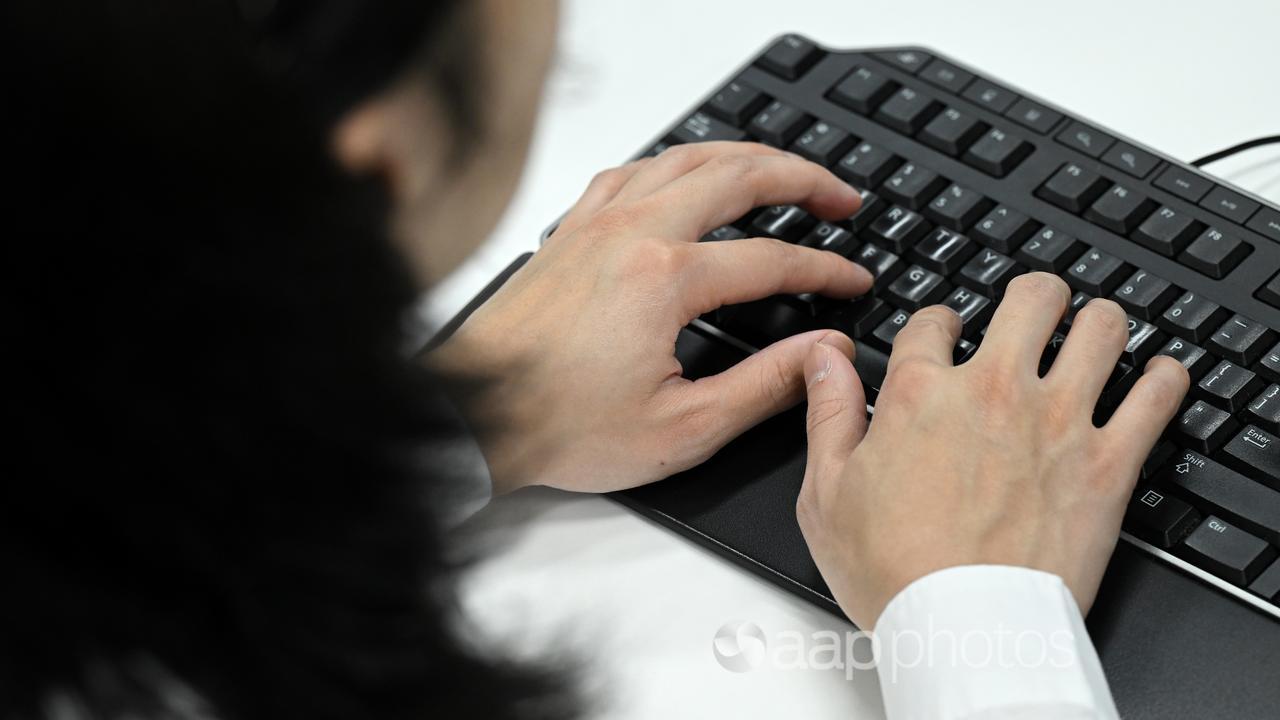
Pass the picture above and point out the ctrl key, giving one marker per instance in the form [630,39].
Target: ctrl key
[1227,551]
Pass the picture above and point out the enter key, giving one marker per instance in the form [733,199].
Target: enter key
[1256,453]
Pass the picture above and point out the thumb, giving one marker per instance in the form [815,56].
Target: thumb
[837,415]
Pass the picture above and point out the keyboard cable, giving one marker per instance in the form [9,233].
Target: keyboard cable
[1236,149]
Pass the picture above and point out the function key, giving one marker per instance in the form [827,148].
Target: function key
[1193,317]
[997,152]
[952,131]
[1096,272]
[790,57]
[736,103]
[1120,210]
[1266,222]
[863,90]
[1229,204]
[701,127]
[1087,140]
[957,207]
[946,76]
[1270,293]
[989,95]
[867,165]
[1183,183]
[909,60]
[1130,159]
[913,186]
[822,143]
[907,111]
[778,124]
[1033,115]
[1003,228]
[1072,188]
[1050,250]
[1167,231]
[1214,253]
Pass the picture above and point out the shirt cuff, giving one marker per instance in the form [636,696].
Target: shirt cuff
[988,641]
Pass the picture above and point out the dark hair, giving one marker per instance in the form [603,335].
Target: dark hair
[225,476]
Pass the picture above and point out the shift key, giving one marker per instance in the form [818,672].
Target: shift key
[1225,492]
[1256,453]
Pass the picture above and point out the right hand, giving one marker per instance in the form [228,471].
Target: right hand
[984,463]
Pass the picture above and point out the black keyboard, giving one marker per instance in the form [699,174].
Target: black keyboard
[967,183]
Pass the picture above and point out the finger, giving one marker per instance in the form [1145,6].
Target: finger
[836,419]
[1025,320]
[602,189]
[675,162]
[1085,362]
[1151,403]
[761,386]
[725,188]
[726,272]
[930,335]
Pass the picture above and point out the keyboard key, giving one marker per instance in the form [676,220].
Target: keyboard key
[1227,551]
[1003,229]
[825,236]
[736,103]
[1194,358]
[1230,204]
[1159,518]
[859,317]
[1204,427]
[790,57]
[867,165]
[1050,353]
[701,127]
[974,310]
[1226,493]
[1096,272]
[952,131]
[1267,584]
[997,152]
[1130,159]
[1270,293]
[1072,188]
[1074,306]
[785,222]
[863,90]
[883,265]
[907,111]
[1266,222]
[1264,410]
[1085,139]
[1120,210]
[898,229]
[909,60]
[917,287]
[872,206]
[1214,253]
[778,124]
[1145,295]
[957,207]
[1256,453]
[724,232]
[885,333]
[764,322]
[1144,341]
[1033,115]
[1269,366]
[822,143]
[1228,386]
[1193,316]
[1050,250]
[913,186]
[1241,340]
[989,95]
[943,251]
[946,76]
[989,272]
[1167,231]
[962,351]
[1183,183]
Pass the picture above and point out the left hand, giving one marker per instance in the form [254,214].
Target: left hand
[579,385]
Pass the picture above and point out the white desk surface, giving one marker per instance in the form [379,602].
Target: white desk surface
[637,605]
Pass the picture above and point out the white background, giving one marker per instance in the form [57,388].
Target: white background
[637,606]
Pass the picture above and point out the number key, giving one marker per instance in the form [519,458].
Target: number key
[1193,317]
[1096,272]
[1145,295]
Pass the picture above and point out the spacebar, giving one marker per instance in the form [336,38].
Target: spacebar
[871,365]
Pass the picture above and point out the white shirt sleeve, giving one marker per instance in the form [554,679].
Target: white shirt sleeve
[981,642]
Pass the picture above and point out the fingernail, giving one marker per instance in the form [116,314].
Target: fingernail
[822,372]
